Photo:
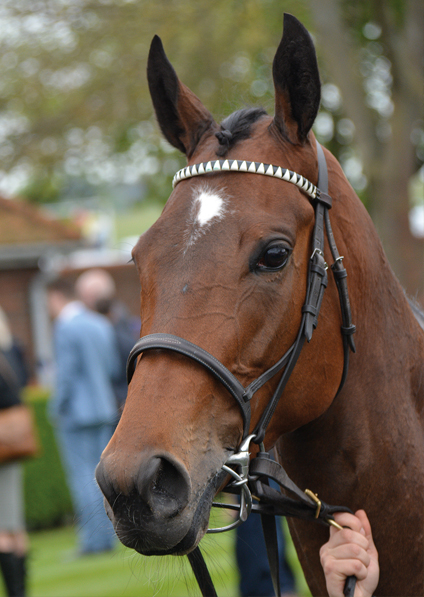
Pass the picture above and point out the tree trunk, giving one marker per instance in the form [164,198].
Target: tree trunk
[388,165]
[390,205]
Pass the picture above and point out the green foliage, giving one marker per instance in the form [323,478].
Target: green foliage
[47,499]
[43,188]
[361,12]
[122,140]
[74,87]
[137,220]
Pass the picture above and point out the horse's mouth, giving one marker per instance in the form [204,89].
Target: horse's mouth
[158,539]
[138,529]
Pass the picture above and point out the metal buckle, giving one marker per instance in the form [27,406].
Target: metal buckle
[330,521]
[240,459]
[334,524]
[317,251]
[314,496]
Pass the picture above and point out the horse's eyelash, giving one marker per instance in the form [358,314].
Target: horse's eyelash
[131,261]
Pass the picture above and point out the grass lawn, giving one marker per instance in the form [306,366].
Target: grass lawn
[55,572]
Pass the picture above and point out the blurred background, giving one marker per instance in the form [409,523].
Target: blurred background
[84,171]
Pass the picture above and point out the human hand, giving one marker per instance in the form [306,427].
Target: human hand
[350,552]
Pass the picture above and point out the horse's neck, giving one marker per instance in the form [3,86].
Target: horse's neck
[386,372]
[381,406]
[366,451]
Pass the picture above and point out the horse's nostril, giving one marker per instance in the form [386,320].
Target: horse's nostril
[164,485]
[104,483]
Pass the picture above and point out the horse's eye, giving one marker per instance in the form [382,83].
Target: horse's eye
[274,258]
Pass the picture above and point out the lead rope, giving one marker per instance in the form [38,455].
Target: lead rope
[270,503]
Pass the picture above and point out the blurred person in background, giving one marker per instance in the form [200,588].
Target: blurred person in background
[83,408]
[97,290]
[252,561]
[13,537]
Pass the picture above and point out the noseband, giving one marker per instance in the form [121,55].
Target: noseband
[252,477]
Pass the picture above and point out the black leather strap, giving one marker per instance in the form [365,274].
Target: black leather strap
[269,373]
[339,272]
[201,573]
[340,276]
[269,529]
[273,503]
[301,506]
[176,344]
[263,423]
[349,588]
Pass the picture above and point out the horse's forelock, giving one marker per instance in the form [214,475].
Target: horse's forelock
[236,127]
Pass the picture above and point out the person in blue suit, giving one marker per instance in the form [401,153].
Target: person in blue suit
[252,561]
[96,288]
[83,408]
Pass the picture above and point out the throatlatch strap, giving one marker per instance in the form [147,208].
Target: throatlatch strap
[317,282]
[339,271]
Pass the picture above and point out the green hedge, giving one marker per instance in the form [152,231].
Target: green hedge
[47,498]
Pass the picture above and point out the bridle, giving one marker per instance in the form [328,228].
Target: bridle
[252,476]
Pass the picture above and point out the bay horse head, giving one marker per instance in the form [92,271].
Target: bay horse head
[226,268]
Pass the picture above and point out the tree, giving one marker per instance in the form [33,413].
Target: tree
[74,100]
[74,103]
[374,51]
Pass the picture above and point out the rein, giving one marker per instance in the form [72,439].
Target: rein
[252,477]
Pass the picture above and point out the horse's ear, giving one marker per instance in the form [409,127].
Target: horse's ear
[181,115]
[296,82]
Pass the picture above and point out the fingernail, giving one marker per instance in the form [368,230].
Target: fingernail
[362,531]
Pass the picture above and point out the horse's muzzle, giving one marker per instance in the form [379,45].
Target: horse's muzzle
[148,507]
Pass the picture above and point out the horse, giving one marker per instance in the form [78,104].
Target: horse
[225,267]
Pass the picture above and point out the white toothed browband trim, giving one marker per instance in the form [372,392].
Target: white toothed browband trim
[245,166]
